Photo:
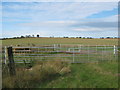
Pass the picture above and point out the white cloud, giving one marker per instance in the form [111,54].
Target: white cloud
[49,24]
[61,11]
[60,0]
[61,22]
[113,18]
[92,29]
[57,16]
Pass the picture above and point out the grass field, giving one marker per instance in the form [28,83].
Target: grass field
[37,41]
[90,75]
[103,74]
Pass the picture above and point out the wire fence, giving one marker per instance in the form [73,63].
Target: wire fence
[73,53]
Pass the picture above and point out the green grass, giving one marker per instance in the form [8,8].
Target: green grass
[38,41]
[92,75]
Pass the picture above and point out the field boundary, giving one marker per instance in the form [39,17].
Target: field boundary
[75,52]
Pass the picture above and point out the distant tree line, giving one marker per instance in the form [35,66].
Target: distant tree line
[37,36]
[108,37]
[26,36]
[93,38]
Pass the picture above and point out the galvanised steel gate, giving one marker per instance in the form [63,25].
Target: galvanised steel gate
[74,53]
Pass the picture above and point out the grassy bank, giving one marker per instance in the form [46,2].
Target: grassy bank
[65,75]
[38,74]
[92,75]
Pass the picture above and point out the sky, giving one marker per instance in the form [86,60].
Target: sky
[59,19]
[60,0]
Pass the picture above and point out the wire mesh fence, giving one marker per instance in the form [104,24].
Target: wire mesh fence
[73,53]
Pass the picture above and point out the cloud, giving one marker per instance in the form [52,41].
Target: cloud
[60,22]
[54,11]
[113,18]
[96,24]
[60,0]
[52,24]
[57,18]
[92,29]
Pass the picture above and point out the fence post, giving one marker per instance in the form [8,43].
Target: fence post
[11,64]
[96,49]
[5,55]
[114,50]
[80,48]
[54,46]
[88,53]
[102,52]
[73,56]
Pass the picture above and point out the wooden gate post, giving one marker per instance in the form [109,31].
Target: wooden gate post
[11,64]
[5,54]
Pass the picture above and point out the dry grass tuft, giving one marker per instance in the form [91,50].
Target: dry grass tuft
[39,73]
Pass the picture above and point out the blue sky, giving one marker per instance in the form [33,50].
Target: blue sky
[95,19]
